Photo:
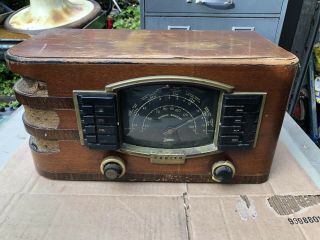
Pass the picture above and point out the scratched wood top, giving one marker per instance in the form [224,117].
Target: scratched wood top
[93,45]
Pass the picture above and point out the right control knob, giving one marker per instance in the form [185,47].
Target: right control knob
[223,171]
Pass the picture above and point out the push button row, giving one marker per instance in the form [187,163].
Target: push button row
[102,99]
[241,99]
[103,139]
[99,129]
[98,110]
[86,110]
[102,110]
[240,110]
[239,121]
[98,120]
[248,118]
[237,139]
[240,129]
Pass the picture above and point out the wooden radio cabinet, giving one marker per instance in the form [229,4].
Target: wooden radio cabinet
[176,106]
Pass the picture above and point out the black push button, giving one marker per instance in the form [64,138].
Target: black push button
[91,100]
[251,118]
[248,137]
[90,130]
[230,130]
[252,108]
[91,138]
[86,110]
[229,140]
[242,146]
[108,139]
[103,110]
[88,120]
[242,100]
[249,128]
[107,147]
[106,130]
[106,120]
[241,110]
[232,120]
[234,110]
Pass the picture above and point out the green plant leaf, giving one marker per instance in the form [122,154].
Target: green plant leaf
[7,81]
[129,18]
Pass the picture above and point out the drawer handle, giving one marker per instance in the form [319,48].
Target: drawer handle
[239,29]
[216,3]
[178,27]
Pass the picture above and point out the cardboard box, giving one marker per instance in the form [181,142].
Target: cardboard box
[285,207]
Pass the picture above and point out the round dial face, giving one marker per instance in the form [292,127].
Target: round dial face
[168,116]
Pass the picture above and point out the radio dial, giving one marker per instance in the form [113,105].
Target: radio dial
[112,167]
[223,171]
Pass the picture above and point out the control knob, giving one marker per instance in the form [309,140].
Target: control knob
[223,171]
[113,167]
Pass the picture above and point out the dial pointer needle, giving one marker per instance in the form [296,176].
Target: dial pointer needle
[172,130]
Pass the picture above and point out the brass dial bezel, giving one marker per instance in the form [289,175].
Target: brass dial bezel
[185,152]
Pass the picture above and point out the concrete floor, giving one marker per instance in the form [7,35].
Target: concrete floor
[12,134]
[305,151]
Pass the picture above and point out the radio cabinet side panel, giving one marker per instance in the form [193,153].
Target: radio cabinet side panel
[74,161]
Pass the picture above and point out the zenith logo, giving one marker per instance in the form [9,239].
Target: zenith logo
[168,140]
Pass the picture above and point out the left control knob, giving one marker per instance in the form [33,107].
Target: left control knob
[113,167]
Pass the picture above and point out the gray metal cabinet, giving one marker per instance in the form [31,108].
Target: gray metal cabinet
[264,17]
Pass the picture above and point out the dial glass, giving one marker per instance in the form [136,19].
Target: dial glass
[168,116]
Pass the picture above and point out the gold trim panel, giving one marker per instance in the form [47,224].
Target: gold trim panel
[187,152]
[169,79]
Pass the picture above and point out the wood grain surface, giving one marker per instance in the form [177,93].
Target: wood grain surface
[84,164]
[100,45]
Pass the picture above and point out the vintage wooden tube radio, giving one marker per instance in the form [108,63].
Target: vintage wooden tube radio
[176,106]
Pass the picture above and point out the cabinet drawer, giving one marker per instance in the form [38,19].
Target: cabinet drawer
[267,27]
[237,6]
